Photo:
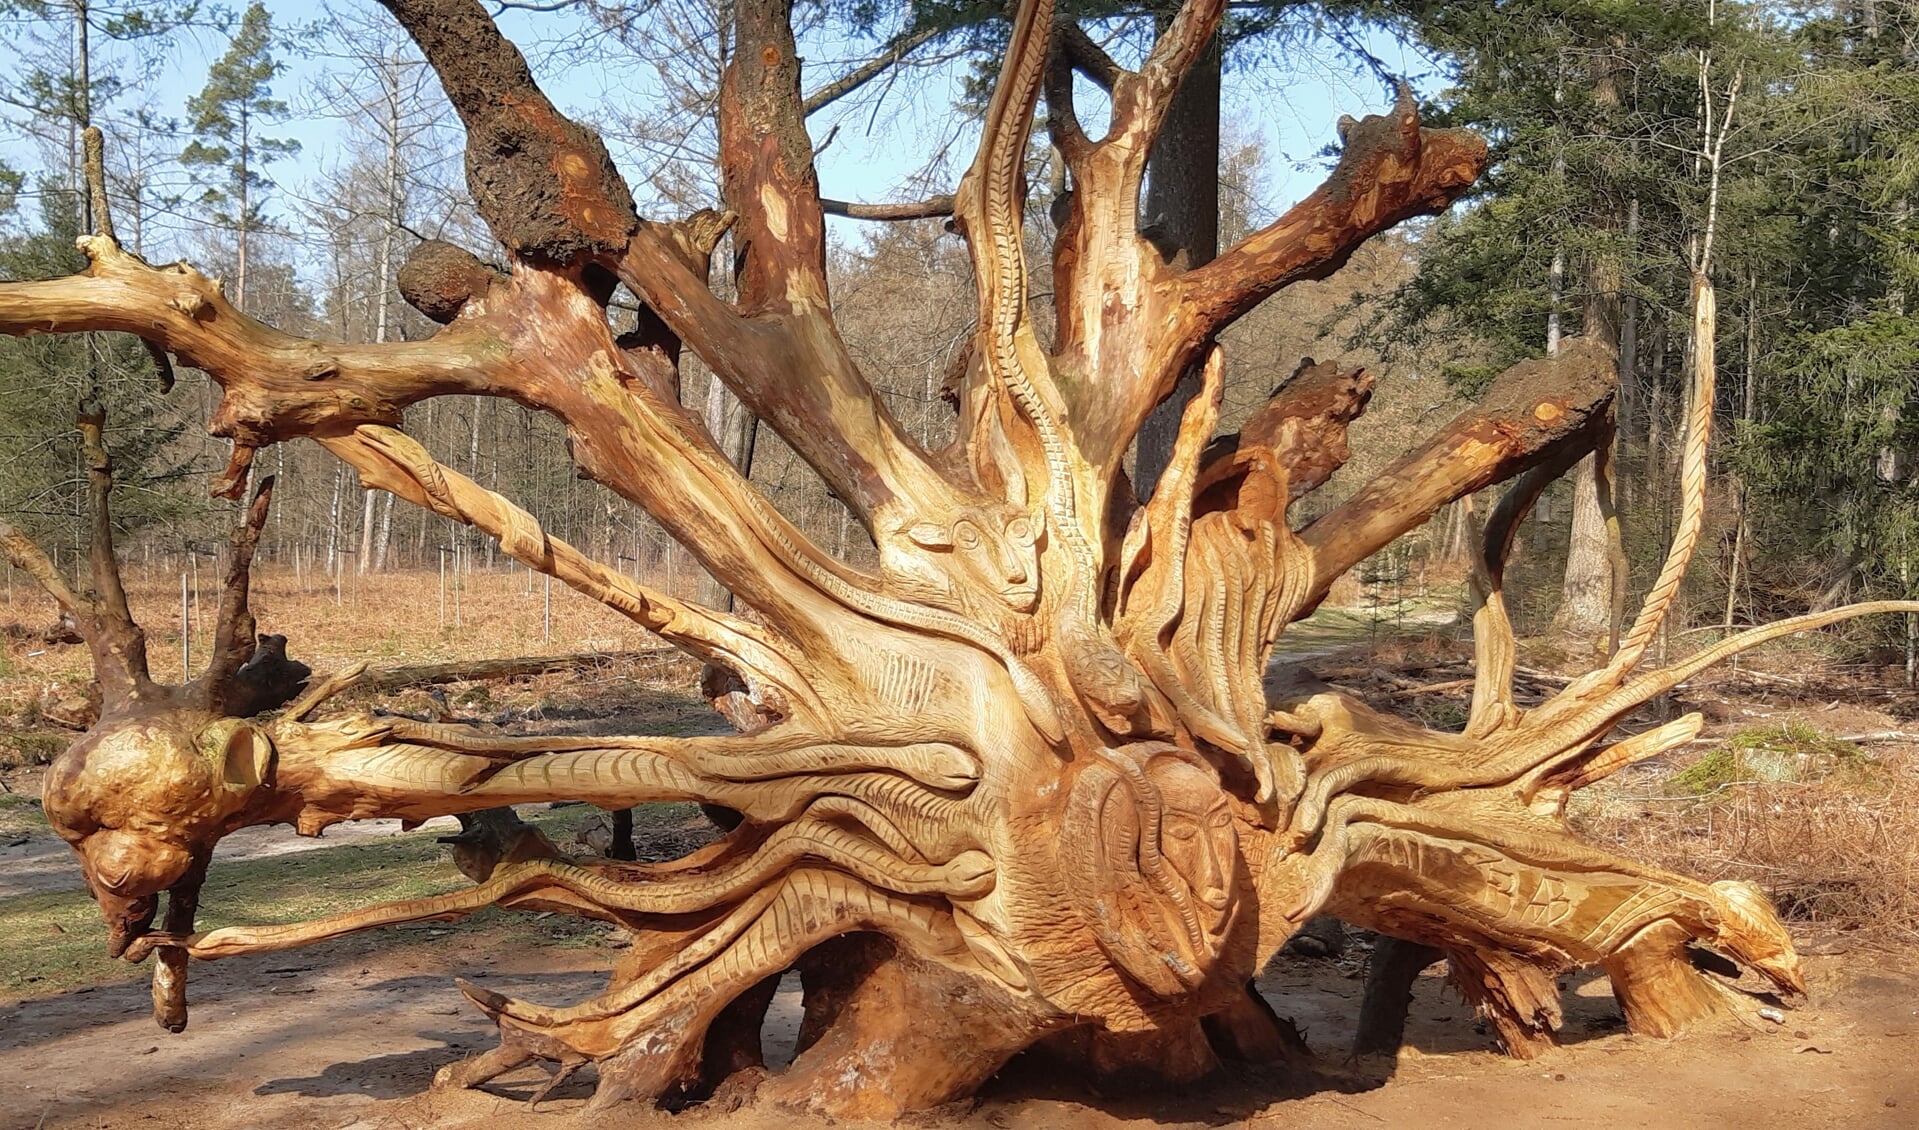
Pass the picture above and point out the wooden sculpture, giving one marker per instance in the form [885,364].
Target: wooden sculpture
[1022,780]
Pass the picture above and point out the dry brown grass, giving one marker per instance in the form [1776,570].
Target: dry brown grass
[388,620]
[1832,837]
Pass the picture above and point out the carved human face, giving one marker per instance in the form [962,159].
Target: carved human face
[1197,836]
[141,801]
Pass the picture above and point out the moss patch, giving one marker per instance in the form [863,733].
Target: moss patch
[1791,752]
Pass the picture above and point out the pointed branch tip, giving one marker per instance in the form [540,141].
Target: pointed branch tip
[95,165]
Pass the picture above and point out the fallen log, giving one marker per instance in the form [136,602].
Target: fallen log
[481,670]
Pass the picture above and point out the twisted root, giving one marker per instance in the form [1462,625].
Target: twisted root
[648,1034]
[967,875]
[1518,886]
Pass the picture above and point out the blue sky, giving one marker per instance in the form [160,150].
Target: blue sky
[877,152]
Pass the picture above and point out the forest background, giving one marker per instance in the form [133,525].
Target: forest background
[300,152]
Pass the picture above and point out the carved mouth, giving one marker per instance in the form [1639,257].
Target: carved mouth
[126,918]
[1225,907]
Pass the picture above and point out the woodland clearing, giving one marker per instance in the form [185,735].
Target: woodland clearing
[350,1032]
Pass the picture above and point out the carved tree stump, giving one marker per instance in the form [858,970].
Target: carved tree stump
[1026,763]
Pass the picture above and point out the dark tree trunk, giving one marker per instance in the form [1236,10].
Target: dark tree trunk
[1180,214]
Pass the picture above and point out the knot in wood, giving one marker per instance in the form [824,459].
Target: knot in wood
[438,279]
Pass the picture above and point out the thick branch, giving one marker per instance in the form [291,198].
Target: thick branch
[390,460]
[766,165]
[29,558]
[1529,414]
[1080,52]
[1140,102]
[1062,117]
[795,374]
[233,642]
[1495,653]
[1116,294]
[109,590]
[545,184]
[115,639]
[247,675]
[1302,429]
[93,145]
[539,338]
[778,350]
[277,386]
[1390,171]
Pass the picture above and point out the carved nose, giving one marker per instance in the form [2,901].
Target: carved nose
[1010,567]
[1212,881]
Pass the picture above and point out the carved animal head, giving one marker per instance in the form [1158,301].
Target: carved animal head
[144,794]
[142,801]
[1750,930]
[993,546]
[1151,856]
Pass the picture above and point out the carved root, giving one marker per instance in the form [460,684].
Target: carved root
[1512,906]
[892,1033]
[651,1034]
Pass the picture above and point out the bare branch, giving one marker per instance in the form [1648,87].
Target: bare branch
[932,207]
[901,46]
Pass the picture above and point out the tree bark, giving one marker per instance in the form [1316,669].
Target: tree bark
[1585,613]
[1181,217]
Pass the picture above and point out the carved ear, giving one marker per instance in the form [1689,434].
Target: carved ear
[1005,459]
[930,535]
[244,756]
[1100,852]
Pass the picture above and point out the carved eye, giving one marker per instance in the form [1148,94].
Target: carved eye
[965,536]
[1020,531]
[1181,830]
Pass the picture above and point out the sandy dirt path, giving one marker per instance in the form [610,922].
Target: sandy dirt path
[350,1033]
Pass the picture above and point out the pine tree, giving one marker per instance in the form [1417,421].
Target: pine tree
[42,382]
[229,148]
[1831,451]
